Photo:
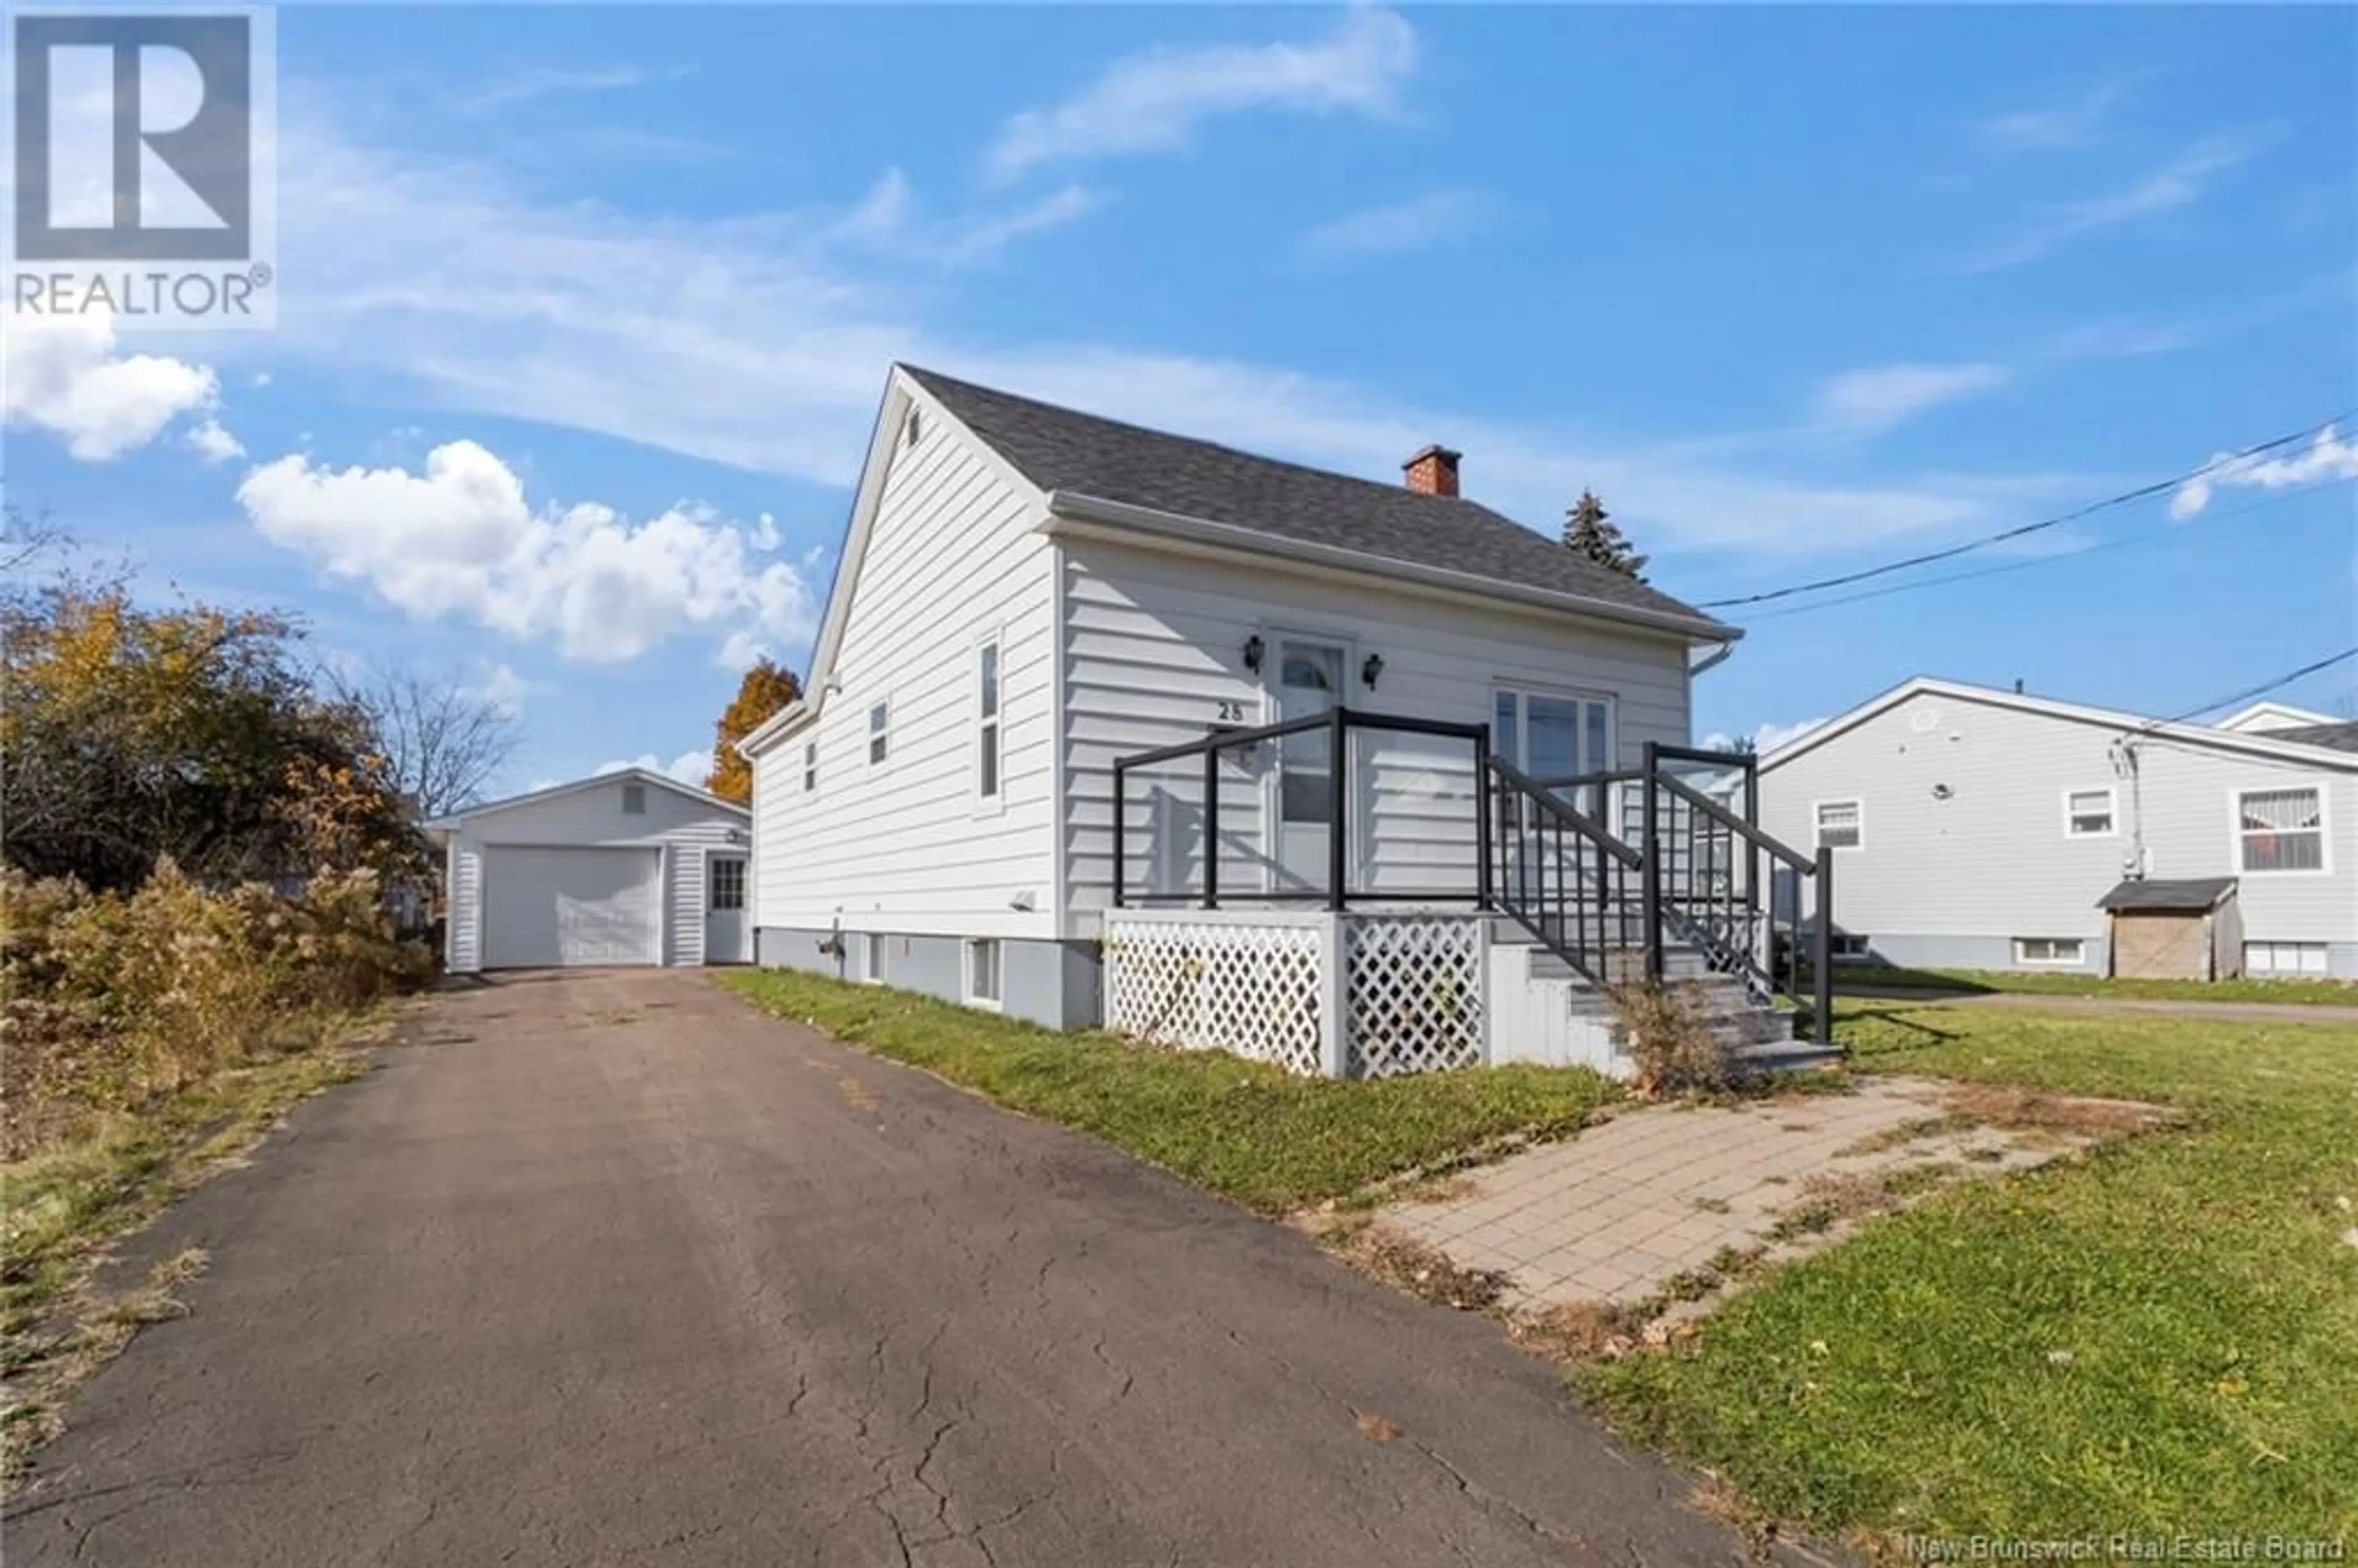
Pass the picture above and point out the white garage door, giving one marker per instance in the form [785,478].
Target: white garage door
[545,908]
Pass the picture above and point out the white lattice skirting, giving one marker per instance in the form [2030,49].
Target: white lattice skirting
[1355,995]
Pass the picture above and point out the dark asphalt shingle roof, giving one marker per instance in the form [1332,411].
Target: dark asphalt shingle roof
[1062,448]
[2342,737]
[2195,893]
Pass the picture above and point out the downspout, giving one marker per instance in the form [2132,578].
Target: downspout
[1717,656]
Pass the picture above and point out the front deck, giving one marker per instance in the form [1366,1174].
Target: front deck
[1359,894]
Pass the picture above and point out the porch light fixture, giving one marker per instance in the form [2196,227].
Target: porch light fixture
[1372,671]
[1253,651]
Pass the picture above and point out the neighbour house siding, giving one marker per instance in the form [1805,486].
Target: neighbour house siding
[1993,862]
[1154,646]
[907,845]
[681,826]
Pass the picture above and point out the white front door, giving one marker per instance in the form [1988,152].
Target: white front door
[1309,683]
[728,933]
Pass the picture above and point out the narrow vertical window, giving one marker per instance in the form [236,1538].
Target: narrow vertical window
[810,766]
[879,740]
[985,738]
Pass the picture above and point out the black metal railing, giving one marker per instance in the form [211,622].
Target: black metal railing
[1606,870]
[1200,785]
[1561,876]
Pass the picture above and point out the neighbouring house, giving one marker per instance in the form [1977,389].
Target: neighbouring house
[1109,724]
[1979,829]
[628,867]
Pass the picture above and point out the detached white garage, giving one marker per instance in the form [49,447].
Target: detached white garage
[625,867]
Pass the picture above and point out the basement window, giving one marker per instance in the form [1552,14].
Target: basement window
[871,956]
[2285,958]
[2065,950]
[983,977]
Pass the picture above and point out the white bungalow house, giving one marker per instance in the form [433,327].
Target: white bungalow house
[1035,698]
[628,867]
[1979,829]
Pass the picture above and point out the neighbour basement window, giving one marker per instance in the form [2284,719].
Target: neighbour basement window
[810,766]
[982,970]
[2280,829]
[2049,950]
[2088,814]
[878,742]
[1841,825]
[2284,959]
[634,800]
[986,735]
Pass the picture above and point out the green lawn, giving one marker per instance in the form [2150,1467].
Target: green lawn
[1887,977]
[1254,1133]
[2161,1339]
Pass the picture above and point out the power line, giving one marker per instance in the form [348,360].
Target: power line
[2170,530]
[2142,492]
[2264,688]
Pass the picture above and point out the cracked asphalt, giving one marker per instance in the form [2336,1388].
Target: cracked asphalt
[602,1268]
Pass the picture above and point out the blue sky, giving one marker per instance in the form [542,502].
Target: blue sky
[584,313]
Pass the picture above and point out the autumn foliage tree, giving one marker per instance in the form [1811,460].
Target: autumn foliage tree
[766,689]
[134,735]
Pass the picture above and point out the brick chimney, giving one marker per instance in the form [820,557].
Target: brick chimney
[1432,472]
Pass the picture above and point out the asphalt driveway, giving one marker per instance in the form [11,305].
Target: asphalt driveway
[604,1269]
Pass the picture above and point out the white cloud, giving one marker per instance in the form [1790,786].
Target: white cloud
[985,236]
[215,444]
[2067,124]
[1866,402]
[1440,216]
[689,767]
[501,688]
[531,82]
[2180,183]
[2328,458]
[460,539]
[1154,102]
[64,376]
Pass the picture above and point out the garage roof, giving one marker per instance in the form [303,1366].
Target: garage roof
[450,821]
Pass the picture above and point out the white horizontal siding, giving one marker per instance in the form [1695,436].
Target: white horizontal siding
[1992,858]
[1155,646]
[906,845]
[683,825]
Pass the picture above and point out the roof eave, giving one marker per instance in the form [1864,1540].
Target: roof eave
[1071,513]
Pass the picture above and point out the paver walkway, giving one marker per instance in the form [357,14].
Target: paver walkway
[1617,1213]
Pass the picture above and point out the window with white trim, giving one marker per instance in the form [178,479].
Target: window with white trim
[982,970]
[1841,824]
[2285,958]
[871,956]
[634,800]
[2088,814]
[986,724]
[810,766]
[879,736]
[2051,950]
[2280,829]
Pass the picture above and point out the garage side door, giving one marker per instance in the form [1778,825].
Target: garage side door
[547,907]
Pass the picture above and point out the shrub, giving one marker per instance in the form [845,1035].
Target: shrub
[116,1002]
[1673,1045]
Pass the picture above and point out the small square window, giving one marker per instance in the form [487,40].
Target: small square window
[810,766]
[2088,814]
[1841,825]
[2064,950]
[634,800]
[982,971]
[879,737]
